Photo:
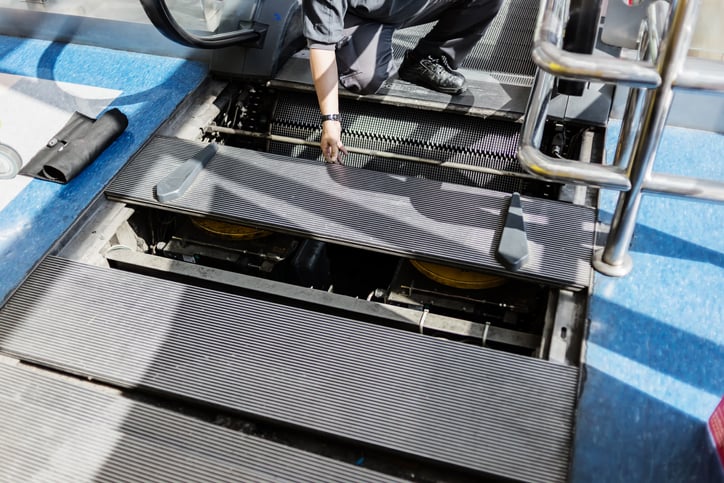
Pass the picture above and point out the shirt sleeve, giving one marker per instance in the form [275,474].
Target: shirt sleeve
[323,22]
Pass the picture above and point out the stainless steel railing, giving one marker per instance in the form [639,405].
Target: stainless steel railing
[652,85]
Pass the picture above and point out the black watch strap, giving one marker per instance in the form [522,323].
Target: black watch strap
[330,117]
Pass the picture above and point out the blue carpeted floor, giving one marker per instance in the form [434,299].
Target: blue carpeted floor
[655,351]
[151,88]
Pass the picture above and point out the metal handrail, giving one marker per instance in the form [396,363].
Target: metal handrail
[649,40]
[651,95]
[701,75]
[549,55]
[697,74]
[684,186]
[556,169]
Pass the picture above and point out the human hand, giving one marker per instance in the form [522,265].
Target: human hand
[331,142]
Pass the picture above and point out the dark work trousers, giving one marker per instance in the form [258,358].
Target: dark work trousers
[364,55]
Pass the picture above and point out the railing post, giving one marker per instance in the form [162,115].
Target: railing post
[630,125]
[649,40]
[614,259]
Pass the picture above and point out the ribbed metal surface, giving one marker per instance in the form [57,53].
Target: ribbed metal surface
[468,406]
[400,215]
[58,431]
[505,47]
[435,135]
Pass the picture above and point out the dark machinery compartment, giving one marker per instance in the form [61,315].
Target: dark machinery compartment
[478,132]
[252,113]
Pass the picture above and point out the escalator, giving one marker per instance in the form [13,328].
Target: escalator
[207,24]
[358,318]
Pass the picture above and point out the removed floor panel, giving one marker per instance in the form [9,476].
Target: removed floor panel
[56,431]
[405,216]
[470,407]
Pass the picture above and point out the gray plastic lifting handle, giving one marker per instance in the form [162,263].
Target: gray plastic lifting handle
[513,246]
[178,181]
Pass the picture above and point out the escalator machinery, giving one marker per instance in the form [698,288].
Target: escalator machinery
[261,115]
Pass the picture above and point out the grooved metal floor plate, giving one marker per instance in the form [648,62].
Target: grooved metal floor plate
[488,411]
[405,216]
[57,431]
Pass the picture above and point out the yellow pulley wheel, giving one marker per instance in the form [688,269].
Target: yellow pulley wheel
[457,277]
[229,230]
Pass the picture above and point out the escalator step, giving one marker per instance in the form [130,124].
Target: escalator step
[437,136]
[405,216]
[505,47]
[470,407]
[55,430]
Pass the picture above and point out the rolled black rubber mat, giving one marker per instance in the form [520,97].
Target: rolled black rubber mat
[488,411]
[405,216]
[54,430]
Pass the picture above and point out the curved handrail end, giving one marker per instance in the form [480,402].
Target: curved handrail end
[568,171]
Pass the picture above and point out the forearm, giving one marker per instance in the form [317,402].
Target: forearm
[323,64]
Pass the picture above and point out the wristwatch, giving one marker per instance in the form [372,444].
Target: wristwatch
[330,117]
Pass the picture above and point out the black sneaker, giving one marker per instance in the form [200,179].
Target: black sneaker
[432,72]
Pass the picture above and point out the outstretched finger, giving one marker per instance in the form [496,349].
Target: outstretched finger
[342,150]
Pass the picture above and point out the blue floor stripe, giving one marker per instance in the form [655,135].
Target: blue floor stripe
[655,359]
[151,86]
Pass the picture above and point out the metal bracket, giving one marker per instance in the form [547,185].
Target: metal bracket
[422,320]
